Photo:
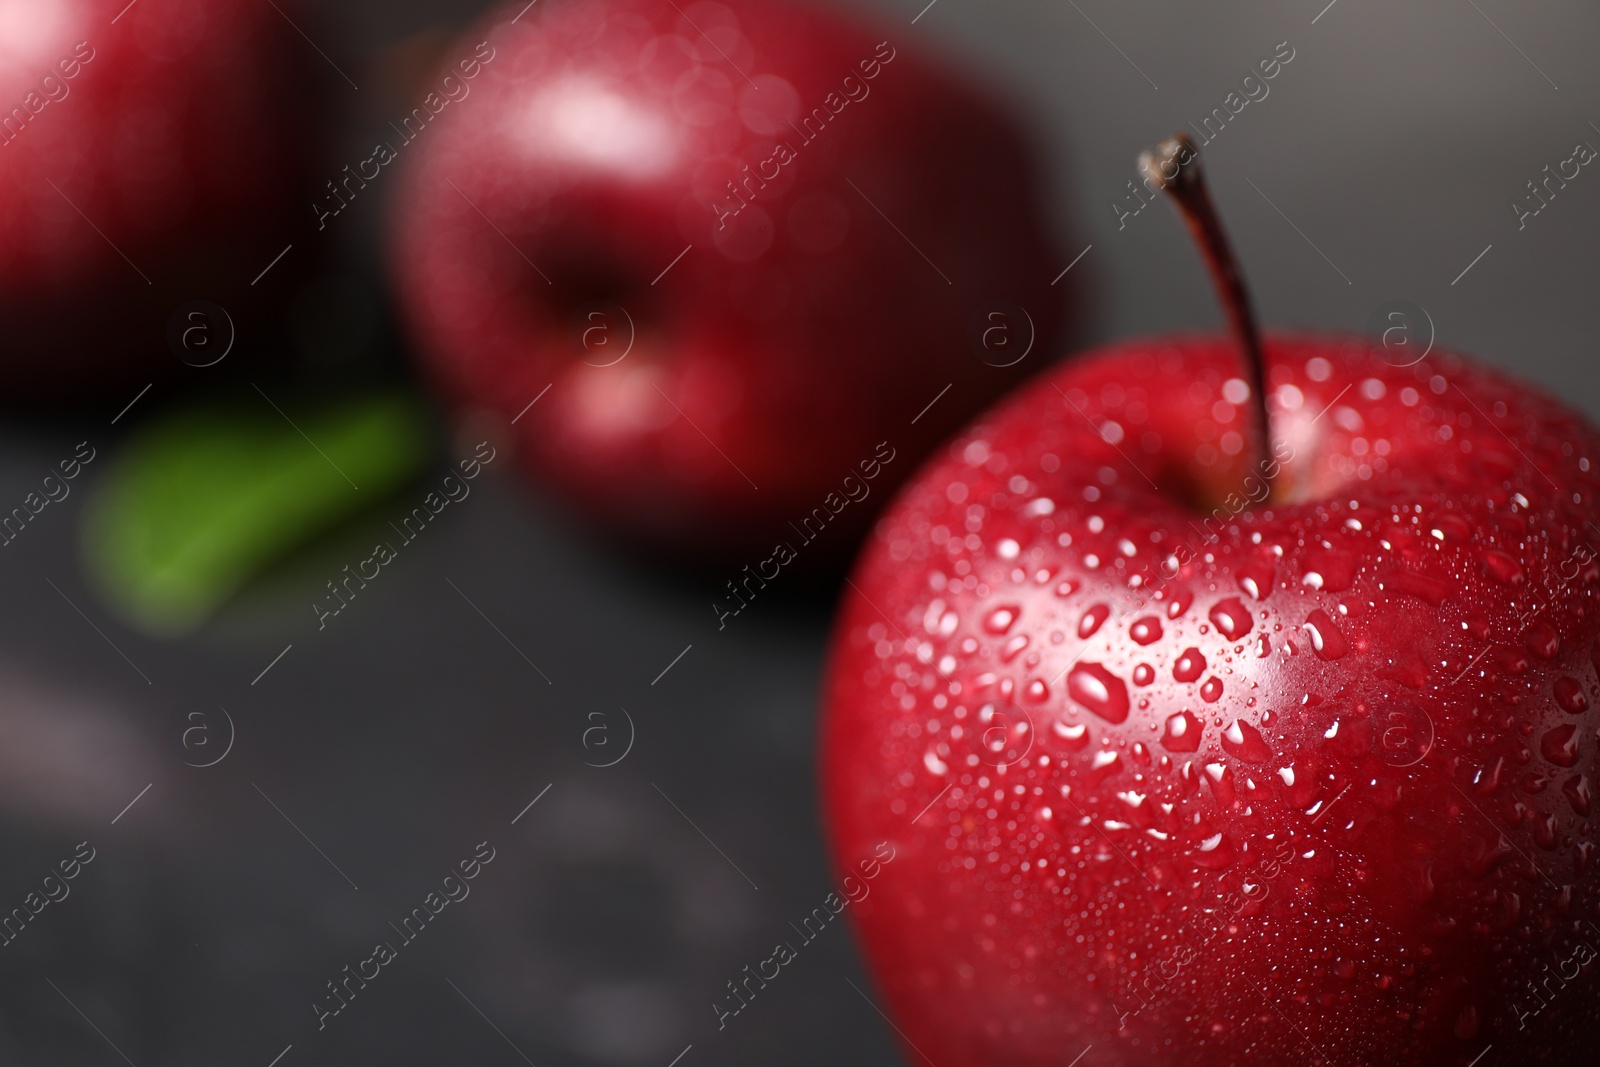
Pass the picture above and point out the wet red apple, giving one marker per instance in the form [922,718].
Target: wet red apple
[1196,749]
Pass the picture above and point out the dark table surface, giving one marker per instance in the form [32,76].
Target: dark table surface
[509,652]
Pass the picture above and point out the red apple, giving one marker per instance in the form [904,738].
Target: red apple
[1200,755]
[740,245]
[149,154]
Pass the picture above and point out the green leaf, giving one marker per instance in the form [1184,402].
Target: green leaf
[203,499]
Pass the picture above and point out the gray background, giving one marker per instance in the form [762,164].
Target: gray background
[416,726]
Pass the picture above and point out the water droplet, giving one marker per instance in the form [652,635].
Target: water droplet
[1143,674]
[1543,641]
[1002,618]
[1330,571]
[1326,638]
[1184,733]
[1036,692]
[1422,887]
[1190,664]
[1300,785]
[1074,736]
[1093,619]
[1430,590]
[1181,599]
[1214,853]
[1243,741]
[1097,689]
[1502,568]
[1256,578]
[1013,647]
[1146,630]
[1211,689]
[935,765]
[1578,794]
[1487,780]
[1221,779]
[1231,618]
[1569,694]
[1448,526]
[1103,766]
[1560,745]
[939,620]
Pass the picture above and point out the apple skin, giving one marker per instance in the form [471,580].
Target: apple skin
[1373,838]
[793,336]
[182,136]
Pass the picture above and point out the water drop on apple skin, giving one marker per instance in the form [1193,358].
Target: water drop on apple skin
[1543,641]
[1214,853]
[1244,742]
[1502,568]
[1570,696]
[1189,666]
[1002,618]
[1422,884]
[1183,733]
[1544,831]
[1093,687]
[1103,766]
[1211,690]
[1448,526]
[1220,776]
[1257,578]
[1092,620]
[1300,787]
[1578,794]
[1560,745]
[1073,736]
[1143,674]
[1330,570]
[1327,640]
[1514,661]
[1231,618]
[1146,630]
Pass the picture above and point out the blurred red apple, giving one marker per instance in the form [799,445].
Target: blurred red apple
[741,245]
[149,154]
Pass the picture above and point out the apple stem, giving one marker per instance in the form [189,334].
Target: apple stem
[1174,165]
